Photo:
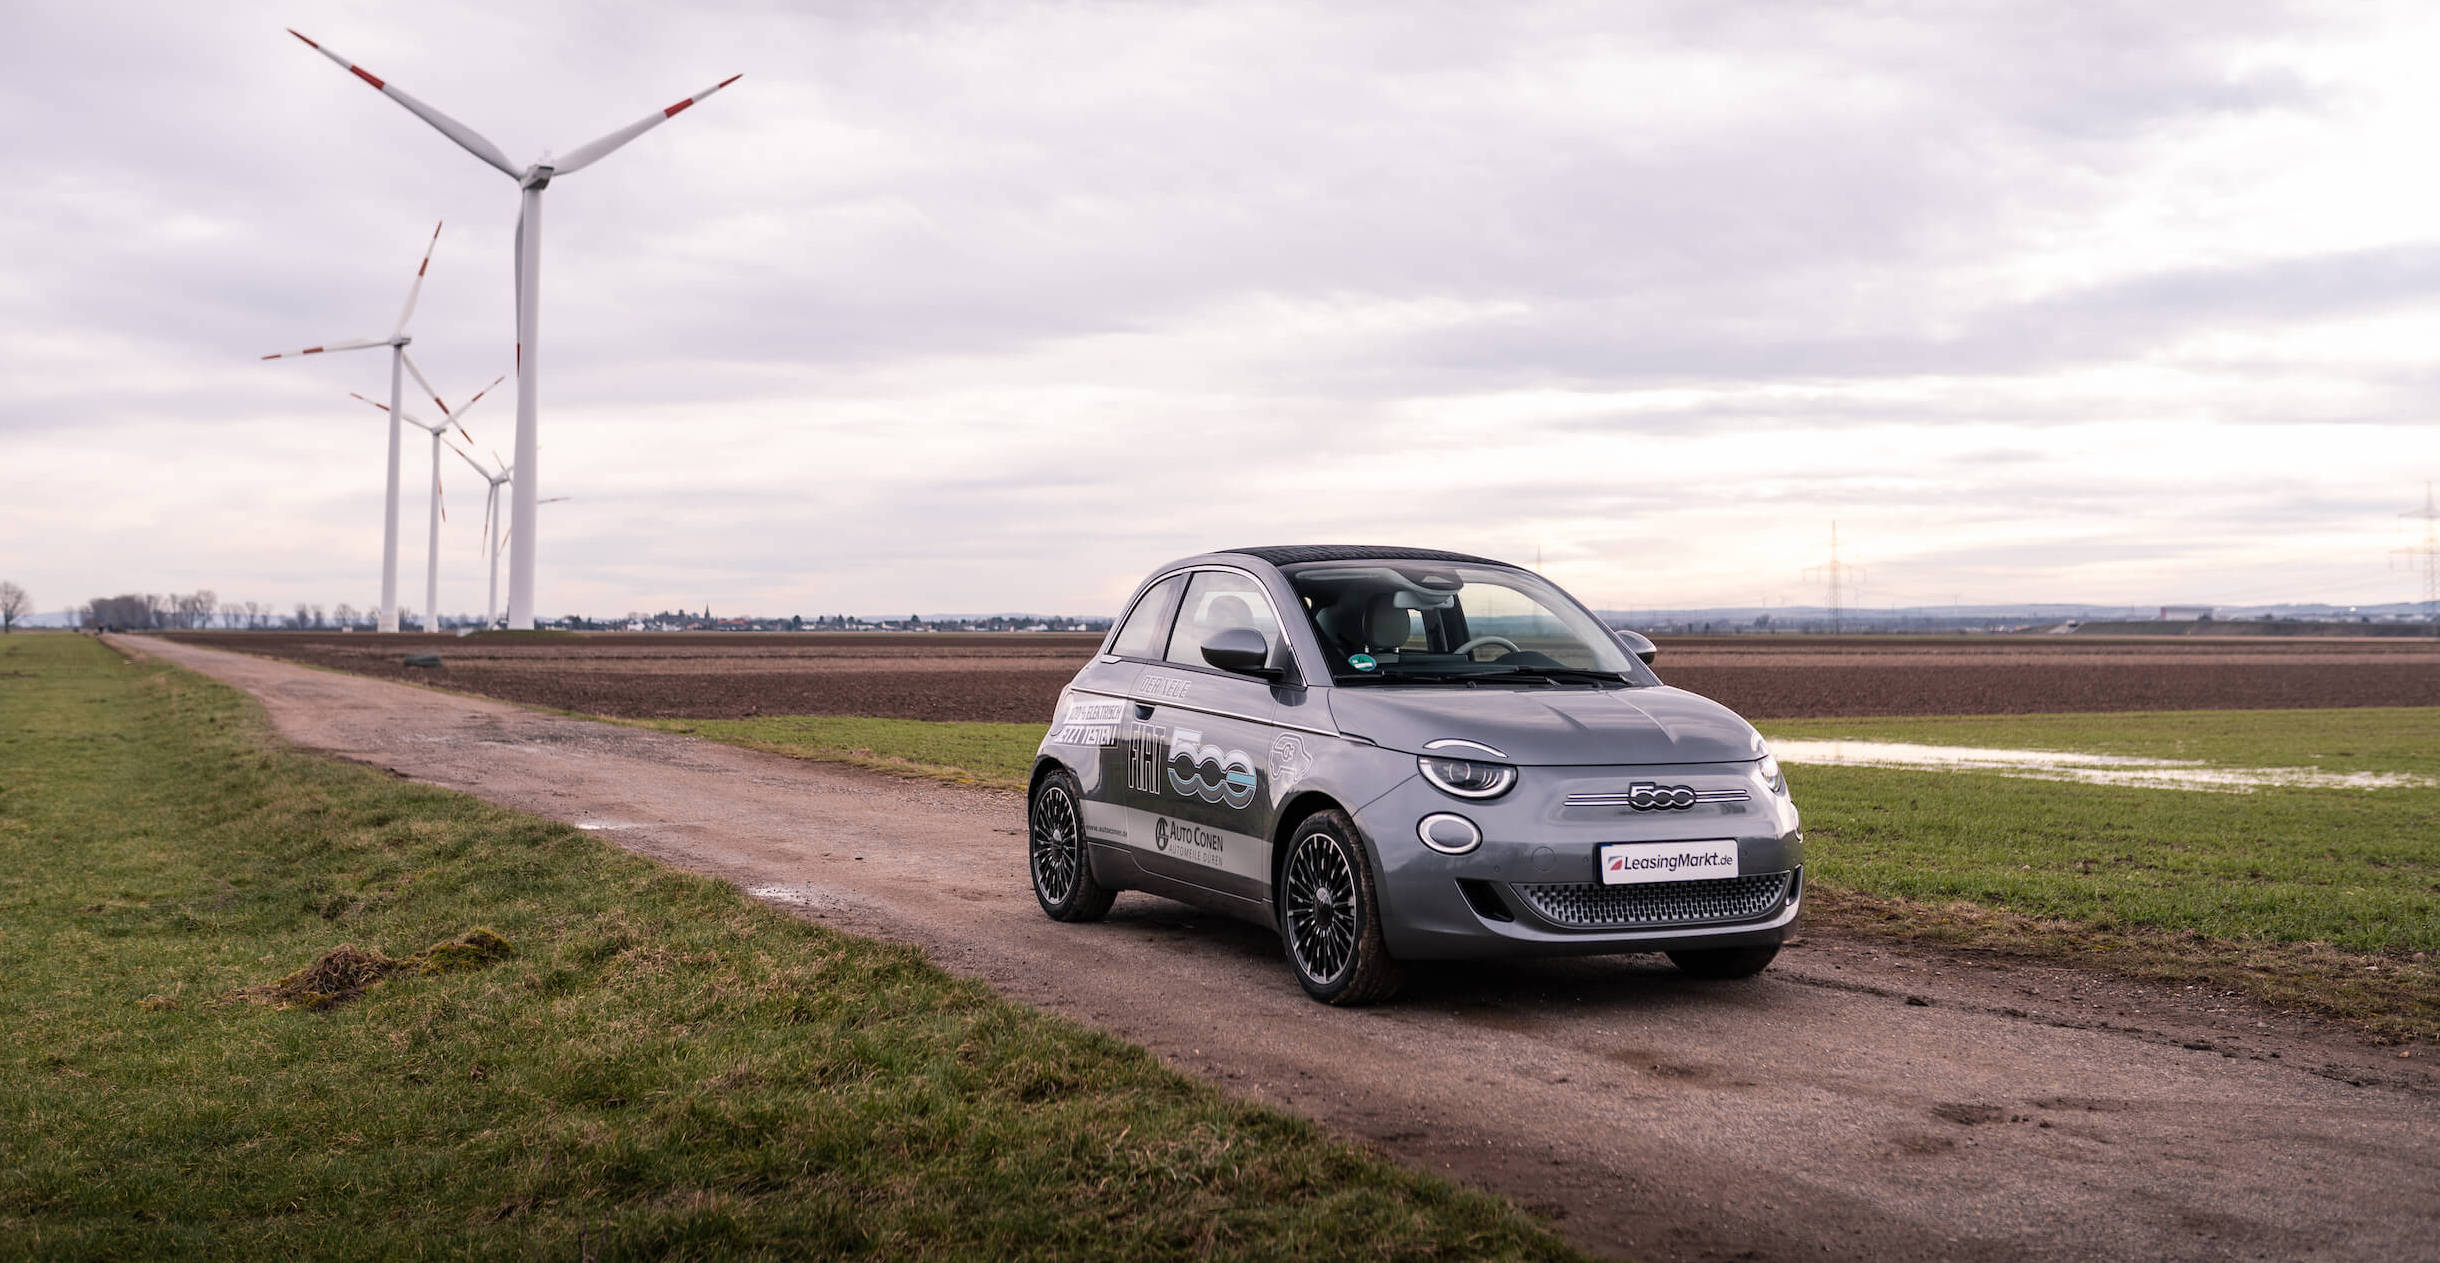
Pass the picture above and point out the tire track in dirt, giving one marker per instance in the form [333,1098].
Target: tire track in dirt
[1858,1101]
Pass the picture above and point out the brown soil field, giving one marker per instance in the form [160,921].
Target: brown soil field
[1017,677]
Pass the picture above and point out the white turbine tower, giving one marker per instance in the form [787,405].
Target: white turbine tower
[397,342]
[531,180]
[432,538]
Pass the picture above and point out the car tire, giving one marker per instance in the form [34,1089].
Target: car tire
[1330,914]
[1724,962]
[1057,854]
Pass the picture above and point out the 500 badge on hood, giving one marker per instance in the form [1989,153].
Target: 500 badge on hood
[1199,770]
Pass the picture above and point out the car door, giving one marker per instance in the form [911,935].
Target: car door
[1197,741]
[1094,713]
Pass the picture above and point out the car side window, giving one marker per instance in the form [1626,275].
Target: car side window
[1147,626]
[1217,600]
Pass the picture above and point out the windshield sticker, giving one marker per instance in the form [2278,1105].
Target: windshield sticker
[1165,686]
[1197,770]
[1362,661]
[1190,842]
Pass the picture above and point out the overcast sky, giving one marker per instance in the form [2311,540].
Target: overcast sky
[984,307]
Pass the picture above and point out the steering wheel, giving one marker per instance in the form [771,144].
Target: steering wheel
[1468,647]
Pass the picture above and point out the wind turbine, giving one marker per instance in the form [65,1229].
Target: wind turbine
[491,534]
[531,180]
[397,342]
[432,540]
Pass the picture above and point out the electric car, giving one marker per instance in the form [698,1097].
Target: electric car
[1392,755]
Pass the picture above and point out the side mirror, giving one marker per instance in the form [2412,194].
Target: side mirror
[1640,645]
[1242,650]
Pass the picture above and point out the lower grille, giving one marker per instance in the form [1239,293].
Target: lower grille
[1593,906]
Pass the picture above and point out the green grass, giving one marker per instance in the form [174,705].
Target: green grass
[656,1066]
[1000,756]
[2319,898]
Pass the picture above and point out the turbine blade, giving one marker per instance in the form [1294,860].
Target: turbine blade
[352,344]
[586,155]
[420,380]
[375,402]
[463,408]
[467,138]
[418,286]
[517,262]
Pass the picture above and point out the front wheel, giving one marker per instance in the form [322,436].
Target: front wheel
[1724,962]
[1063,873]
[1330,915]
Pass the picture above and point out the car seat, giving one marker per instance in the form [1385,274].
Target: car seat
[1366,622]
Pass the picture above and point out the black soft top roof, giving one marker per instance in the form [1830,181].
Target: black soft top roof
[1293,554]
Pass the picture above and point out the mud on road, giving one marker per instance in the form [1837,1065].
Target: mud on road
[1017,677]
[1860,1100]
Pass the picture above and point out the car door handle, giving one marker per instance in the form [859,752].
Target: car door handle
[1143,710]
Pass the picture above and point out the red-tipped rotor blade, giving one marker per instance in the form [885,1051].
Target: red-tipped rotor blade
[467,138]
[353,344]
[586,155]
[418,286]
[375,402]
[478,398]
[418,374]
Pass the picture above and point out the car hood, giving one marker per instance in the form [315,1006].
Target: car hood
[1552,727]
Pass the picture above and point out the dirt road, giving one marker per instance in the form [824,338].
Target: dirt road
[1856,1102]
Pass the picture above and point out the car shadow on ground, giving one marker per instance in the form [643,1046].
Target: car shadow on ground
[1475,991]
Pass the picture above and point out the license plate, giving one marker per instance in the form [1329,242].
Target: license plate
[1627,862]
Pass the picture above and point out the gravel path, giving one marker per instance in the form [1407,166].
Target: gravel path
[1858,1101]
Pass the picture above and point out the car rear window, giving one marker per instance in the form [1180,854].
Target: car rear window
[1147,627]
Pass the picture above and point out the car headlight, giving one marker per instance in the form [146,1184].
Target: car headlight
[1467,778]
[1772,776]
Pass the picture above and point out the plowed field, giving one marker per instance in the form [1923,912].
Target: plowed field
[1017,677]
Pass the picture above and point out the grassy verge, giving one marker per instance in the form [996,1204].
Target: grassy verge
[2320,899]
[2323,899]
[538,1044]
[995,755]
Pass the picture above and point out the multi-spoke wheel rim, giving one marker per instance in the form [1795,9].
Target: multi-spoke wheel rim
[1056,852]
[1318,894]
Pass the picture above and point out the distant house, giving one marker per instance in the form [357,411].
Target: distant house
[2185,613]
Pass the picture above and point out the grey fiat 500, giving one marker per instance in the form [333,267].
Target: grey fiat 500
[1392,755]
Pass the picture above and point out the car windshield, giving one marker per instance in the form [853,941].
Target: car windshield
[1429,622]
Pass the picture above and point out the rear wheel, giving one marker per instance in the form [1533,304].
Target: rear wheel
[1330,915]
[1725,962]
[1063,874]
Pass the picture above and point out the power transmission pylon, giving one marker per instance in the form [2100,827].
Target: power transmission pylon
[1836,572]
[2429,552]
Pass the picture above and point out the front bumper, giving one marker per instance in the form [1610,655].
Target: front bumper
[1533,887]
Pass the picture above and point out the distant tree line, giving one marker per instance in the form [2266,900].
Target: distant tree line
[183,611]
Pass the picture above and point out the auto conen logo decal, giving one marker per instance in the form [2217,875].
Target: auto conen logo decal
[1188,841]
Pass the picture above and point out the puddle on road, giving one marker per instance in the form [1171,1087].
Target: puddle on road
[600,826]
[2088,769]
[814,899]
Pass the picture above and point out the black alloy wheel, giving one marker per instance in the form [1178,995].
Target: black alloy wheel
[1063,874]
[1330,915]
